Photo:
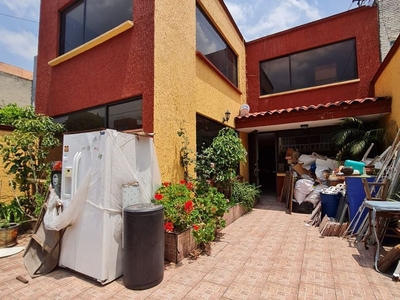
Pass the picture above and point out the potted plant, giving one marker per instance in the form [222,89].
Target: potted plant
[11,216]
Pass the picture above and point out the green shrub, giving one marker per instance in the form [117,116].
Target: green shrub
[245,194]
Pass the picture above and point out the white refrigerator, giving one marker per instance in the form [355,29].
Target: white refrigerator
[96,168]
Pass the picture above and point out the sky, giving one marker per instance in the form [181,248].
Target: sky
[19,22]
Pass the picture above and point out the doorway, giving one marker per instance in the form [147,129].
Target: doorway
[267,163]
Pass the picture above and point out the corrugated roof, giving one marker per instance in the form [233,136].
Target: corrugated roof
[310,107]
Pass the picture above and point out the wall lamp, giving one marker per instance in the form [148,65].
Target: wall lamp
[227,116]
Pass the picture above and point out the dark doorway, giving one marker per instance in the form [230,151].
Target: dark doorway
[267,162]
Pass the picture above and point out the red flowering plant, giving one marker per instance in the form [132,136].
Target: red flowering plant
[185,207]
[178,203]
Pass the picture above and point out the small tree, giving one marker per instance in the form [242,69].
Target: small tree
[219,162]
[25,151]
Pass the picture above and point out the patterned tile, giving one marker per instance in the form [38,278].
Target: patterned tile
[308,291]
[276,291]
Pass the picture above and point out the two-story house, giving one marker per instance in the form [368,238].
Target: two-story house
[157,67]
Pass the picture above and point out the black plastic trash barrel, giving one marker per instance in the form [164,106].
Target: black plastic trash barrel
[143,246]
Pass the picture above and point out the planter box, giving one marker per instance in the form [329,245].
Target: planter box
[178,245]
[234,213]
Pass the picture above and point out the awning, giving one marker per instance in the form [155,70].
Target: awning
[367,109]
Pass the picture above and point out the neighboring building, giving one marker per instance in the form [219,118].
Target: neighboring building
[161,68]
[389,24]
[15,85]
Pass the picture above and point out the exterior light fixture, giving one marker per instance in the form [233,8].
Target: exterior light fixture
[227,116]
[304,126]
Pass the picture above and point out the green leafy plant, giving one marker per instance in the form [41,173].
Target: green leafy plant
[177,200]
[11,213]
[25,152]
[354,136]
[245,194]
[184,208]
[219,162]
[208,216]
[185,154]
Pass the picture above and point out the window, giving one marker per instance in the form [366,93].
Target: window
[212,46]
[87,19]
[328,64]
[122,116]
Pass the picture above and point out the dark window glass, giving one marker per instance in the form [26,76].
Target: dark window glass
[212,46]
[122,116]
[86,120]
[275,76]
[99,18]
[88,19]
[72,30]
[324,65]
[125,116]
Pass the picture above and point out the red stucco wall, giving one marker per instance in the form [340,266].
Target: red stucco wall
[119,68]
[361,23]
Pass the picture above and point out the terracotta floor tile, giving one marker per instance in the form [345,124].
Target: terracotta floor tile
[308,291]
[266,254]
[277,291]
[206,290]
[317,278]
[240,290]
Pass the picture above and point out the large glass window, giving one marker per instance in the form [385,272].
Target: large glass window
[328,64]
[87,19]
[125,115]
[212,46]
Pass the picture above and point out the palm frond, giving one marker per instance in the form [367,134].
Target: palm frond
[342,137]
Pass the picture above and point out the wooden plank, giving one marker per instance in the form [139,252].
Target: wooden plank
[386,261]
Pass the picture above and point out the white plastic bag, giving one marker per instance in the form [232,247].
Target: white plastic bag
[302,188]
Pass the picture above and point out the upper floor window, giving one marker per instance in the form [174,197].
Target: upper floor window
[213,46]
[328,64]
[87,19]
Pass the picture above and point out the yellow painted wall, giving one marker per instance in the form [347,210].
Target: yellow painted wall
[183,84]
[388,85]
[6,193]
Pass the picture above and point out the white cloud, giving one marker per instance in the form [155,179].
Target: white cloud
[22,43]
[257,18]
[240,12]
[24,8]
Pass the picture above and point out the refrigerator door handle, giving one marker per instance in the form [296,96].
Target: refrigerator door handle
[75,168]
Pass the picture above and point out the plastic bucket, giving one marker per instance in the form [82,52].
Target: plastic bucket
[329,204]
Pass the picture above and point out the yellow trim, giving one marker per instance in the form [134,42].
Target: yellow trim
[311,88]
[93,43]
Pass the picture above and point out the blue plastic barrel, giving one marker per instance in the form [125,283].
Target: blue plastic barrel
[329,204]
[355,193]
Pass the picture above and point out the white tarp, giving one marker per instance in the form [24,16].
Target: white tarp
[126,158]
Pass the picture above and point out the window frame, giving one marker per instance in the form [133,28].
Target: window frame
[63,25]
[106,108]
[227,67]
[318,75]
